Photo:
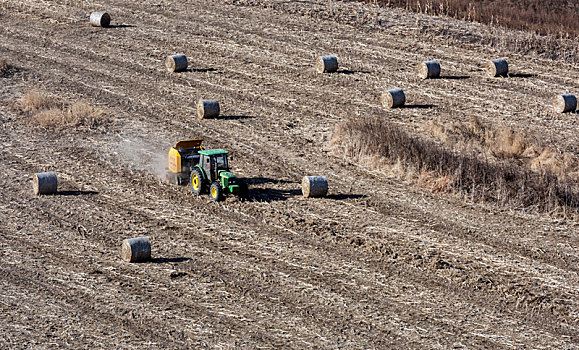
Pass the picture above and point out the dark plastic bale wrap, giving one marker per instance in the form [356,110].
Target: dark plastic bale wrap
[393,98]
[176,63]
[327,64]
[497,67]
[314,186]
[429,70]
[565,103]
[45,183]
[136,249]
[208,109]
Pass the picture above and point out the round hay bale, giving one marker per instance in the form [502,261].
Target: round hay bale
[327,64]
[44,183]
[207,109]
[497,67]
[136,249]
[100,19]
[393,98]
[314,186]
[565,103]
[429,70]
[176,63]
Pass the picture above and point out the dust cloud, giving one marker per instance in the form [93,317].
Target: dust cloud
[144,156]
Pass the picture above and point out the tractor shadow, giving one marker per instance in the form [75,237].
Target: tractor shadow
[267,194]
[266,180]
[275,194]
[11,70]
[272,194]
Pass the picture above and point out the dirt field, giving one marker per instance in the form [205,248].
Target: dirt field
[377,264]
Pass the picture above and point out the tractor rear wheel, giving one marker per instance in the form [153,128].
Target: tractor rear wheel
[196,182]
[215,192]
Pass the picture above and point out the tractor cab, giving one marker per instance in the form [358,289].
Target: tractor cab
[213,162]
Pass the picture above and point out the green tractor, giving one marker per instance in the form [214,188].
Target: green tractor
[213,172]
[204,170]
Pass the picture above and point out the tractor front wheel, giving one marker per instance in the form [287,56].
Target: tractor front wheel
[196,182]
[215,192]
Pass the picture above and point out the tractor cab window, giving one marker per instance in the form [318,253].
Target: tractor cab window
[221,160]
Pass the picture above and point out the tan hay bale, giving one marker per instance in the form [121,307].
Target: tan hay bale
[429,69]
[565,103]
[100,19]
[44,183]
[136,249]
[327,64]
[176,63]
[393,98]
[207,109]
[314,186]
[497,67]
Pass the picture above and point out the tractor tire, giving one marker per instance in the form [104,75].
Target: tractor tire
[196,182]
[215,192]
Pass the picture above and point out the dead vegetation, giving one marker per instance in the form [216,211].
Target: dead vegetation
[48,112]
[384,146]
[558,17]
[504,143]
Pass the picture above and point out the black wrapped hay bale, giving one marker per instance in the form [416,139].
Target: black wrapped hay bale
[327,64]
[429,70]
[393,98]
[314,186]
[208,109]
[565,103]
[136,249]
[176,63]
[497,67]
[44,183]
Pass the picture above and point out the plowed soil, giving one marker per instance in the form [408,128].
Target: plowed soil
[377,264]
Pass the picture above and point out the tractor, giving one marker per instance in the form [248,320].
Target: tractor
[203,170]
